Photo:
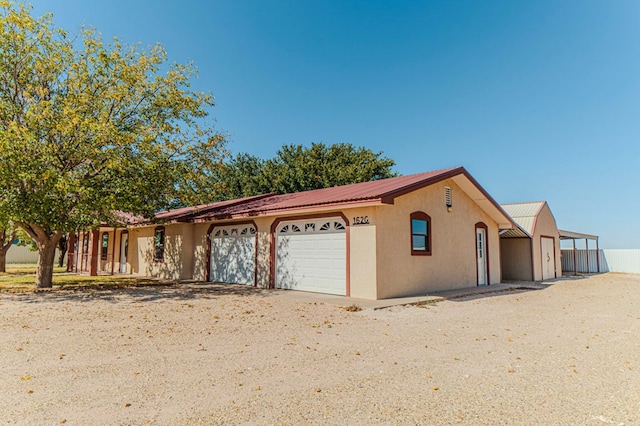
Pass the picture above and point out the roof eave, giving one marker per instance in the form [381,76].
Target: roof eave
[388,197]
[196,211]
[290,210]
[487,203]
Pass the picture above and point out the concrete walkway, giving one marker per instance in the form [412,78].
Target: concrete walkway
[303,296]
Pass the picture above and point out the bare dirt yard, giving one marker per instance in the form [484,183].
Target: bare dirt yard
[212,354]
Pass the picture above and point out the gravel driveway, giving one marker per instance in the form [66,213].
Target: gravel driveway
[211,354]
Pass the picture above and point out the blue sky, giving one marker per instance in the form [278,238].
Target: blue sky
[539,100]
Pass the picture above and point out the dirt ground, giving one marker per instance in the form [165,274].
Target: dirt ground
[212,354]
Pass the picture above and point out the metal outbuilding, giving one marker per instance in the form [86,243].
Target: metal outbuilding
[573,236]
[531,252]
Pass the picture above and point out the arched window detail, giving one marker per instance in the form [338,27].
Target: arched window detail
[420,234]
[158,242]
[104,246]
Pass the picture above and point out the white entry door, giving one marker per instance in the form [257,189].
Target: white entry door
[311,255]
[548,258]
[481,254]
[124,251]
[233,254]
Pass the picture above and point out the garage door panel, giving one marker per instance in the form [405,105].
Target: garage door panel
[313,259]
[233,254]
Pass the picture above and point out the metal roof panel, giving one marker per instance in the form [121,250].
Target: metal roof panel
[525,214]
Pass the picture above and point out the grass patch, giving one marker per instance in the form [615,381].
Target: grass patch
[21,282]
[25,268]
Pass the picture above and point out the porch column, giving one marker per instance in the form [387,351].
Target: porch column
[598,254]
[71,253]
[113,249]
[94,242]
[79,251]
[575,259]
[586,243]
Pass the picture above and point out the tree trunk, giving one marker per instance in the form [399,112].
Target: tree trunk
[46,258]
[47,241]
[62,247]
[5,245]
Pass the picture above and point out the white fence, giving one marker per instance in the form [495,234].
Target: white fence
[611,260]
[21,254]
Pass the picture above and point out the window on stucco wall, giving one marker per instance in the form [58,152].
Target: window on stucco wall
[105,246]
[420,234]
[158,242]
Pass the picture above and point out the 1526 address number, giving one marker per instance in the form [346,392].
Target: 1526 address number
[360,220]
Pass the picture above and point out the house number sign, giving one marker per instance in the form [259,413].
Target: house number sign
[360,220]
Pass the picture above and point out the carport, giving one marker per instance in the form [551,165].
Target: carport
[573,236]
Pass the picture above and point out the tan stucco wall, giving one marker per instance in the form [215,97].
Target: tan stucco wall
[452,264]
[363,252]
[516,258]
[545,226]
[133,263]
[200,251]
[178,252]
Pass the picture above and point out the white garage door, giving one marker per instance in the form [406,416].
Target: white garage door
[312,255]
[233,254]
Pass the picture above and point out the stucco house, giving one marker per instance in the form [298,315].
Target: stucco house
[389,238]
[531,252]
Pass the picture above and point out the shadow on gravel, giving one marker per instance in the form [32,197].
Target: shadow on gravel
[515,287]
[579,277]
[505,292]
[150,293]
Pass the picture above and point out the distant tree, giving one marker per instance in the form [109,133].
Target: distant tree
[197,179]
[89,128]
[63,246]
[297,168]
[8,233]
[243,175]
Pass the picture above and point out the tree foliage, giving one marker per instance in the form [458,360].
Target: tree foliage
[88,128]
[298,168]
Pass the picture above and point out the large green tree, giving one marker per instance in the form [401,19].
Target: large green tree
[298,168]
[89,128]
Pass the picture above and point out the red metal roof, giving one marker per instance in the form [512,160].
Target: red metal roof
[185,213]
[382,191]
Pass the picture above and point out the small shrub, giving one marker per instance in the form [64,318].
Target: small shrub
[352,308]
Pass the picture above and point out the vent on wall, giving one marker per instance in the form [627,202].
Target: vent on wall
[447,198]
